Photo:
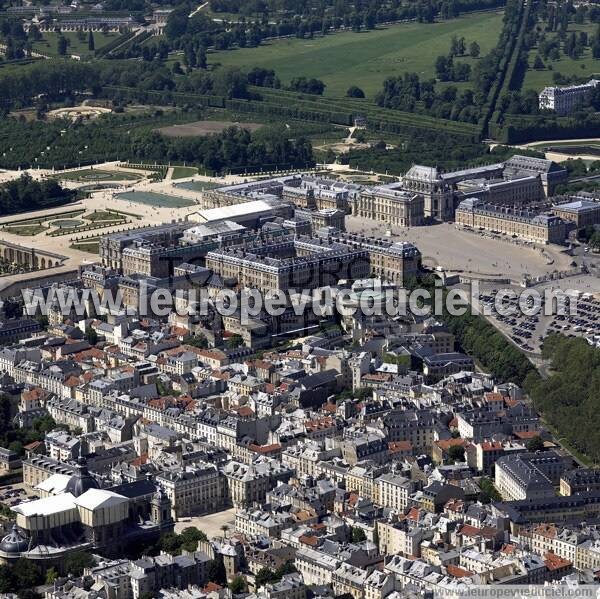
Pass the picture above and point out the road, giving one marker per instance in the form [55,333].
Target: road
[198,9]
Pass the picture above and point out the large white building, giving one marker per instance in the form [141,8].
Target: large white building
[564,100]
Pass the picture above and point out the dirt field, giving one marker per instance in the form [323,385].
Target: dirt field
[204,128]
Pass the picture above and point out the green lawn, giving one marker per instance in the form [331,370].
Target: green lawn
[49,42]
[152,198]
[25,230]
[367,58]
[585,66]
[180,172]
[91,246]
[104,216]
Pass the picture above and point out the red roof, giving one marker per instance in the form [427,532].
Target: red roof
[469,531]
[274,447]
[413,514]
[457,572]
[32,446]
[445,444]
[309,540]
[491,445]
[489,397]
[527,434]
[396,446]
[72,381]
[319,423]
[555,562]
[140,460]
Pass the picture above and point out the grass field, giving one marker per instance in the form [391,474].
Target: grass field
[49,43]
[151,198]
[367,58]
[25,230]
[585,66]
[180,172]
[104,216]
[90,246]
[198,185]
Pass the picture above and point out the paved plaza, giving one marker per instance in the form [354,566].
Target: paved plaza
[470,253]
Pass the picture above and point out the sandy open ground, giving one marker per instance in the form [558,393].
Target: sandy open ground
[210,524]
[204,128]
[444,245]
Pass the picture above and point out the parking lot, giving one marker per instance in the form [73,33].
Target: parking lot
[14,494]
[528,332]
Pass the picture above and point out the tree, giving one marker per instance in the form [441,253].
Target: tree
[91,42]
[287,568]
[443,67]
[51,575]
[201,58]
[171,543]
[62,45]
[234,341]
[265,576]
[474,50]
[307,86]
[190,537]
[16,446]
[456,453]
[457,46]
[75,563]
[199,341]
[488,491]
[358,534]
[216,570]
[34,33]
[538,63]
[355,92]
[91,336]
[595,241]
[6,579]
[360,136]
[535,444]
[238,585]
[26,574]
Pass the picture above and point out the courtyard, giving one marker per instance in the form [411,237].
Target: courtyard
[445,246]
[210,524]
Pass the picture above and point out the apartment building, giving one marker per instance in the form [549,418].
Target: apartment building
[474,213]
[194,490]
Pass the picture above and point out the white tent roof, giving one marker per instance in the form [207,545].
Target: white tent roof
[47,506]
[96,498]
[55,484]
